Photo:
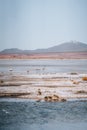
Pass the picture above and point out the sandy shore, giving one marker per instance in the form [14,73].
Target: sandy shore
[48,87]
[49,55]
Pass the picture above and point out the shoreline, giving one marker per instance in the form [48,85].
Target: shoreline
[43,59]
[49,55]
[45,87]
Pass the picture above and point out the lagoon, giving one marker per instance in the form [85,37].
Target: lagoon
[26,114]
[23,114]
[44,66]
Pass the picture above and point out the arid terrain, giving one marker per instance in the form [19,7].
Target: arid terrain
[60,55]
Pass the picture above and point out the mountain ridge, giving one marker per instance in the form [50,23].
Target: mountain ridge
[71,46]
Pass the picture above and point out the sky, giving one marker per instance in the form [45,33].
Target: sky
[32,24]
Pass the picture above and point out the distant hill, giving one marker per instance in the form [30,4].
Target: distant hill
[65,47]
[15,51]
[11,51]
[69,47]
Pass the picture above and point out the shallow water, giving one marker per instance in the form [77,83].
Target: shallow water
[23,114]
[50,66]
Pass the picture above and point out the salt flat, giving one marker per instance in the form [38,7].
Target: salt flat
[38,86]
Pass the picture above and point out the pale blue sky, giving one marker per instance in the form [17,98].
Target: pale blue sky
[32,24]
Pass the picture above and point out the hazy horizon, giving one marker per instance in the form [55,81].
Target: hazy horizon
[46,47]
[34,24]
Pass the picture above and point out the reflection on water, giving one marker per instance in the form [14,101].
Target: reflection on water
[44,66]
[24,114]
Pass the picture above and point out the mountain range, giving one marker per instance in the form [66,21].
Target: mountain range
[71,46]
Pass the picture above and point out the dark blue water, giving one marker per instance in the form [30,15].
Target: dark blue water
[51,66]
[21,114]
